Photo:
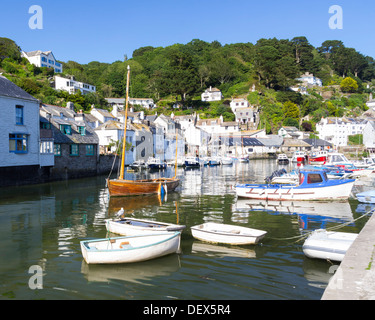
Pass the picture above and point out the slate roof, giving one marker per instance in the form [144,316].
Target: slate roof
[247,142]
[318,142]
[90,136]
[9,89]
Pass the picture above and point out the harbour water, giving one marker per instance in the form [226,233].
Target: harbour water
[43,225]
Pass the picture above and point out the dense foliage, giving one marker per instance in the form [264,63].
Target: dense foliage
[261,72]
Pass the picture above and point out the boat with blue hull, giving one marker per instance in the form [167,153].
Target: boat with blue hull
[312,185]
[192,162]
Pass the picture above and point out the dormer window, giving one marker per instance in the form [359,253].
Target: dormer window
[66,129]
[82,130]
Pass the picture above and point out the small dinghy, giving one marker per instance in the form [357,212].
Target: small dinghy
[328,245]
[366,197]
[132,226]
[228,234]
[130,249]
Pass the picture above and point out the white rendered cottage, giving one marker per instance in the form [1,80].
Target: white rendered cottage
[212,94]
[43,59]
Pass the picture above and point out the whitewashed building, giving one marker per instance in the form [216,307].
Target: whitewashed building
[43,59]
[212,94]
[369,135]
[308,79]
[147,103]
[218,126]
[238,103]
[337,130]
[72,86]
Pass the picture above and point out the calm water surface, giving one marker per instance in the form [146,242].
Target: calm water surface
[43,225]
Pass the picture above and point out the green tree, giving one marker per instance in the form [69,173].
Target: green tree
[9,49]
[349,85]
[291,110]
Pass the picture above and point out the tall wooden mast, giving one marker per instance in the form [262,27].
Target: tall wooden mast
[121,177]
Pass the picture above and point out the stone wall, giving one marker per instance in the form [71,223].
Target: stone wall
[67,169]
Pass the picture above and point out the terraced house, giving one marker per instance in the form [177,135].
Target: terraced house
[19,135]
[75,142]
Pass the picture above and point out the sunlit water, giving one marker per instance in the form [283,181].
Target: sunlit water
[43,225]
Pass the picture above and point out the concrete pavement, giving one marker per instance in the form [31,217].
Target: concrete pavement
[355,277]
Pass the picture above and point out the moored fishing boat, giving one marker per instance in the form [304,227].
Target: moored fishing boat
[228,234]
[227,160]
[298,157]
[192,162]
[312,185]
[138,165]
[214,161]
[328,245]
[156,164]
[318,158]
[282,159]
[131,248]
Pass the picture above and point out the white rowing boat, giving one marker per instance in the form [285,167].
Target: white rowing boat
[132,226]
[328,245]
[225,233]
[130,249]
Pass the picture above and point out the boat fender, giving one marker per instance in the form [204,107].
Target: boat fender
[165,188]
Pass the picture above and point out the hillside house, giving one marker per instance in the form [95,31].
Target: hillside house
[212,94]
[43,59]
[238,103]
[72,86]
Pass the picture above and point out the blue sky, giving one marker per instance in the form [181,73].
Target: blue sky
[104,31]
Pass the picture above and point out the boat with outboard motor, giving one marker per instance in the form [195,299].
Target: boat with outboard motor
[313,184]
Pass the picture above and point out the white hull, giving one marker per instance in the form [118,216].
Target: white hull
[133,249]
[328,245]
[226,161]
[228,234]
[289,192]
[133,227]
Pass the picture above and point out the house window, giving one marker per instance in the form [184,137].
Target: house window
[19,115]
[46,147]
[90,150]
[57,149]
[82,130]
[44,59]
[74,150]
[18,143]
[66,129]
[45,125]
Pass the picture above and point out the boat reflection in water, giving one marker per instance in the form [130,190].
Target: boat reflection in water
[324,211]
[132,204]
[220,251]
[140,272]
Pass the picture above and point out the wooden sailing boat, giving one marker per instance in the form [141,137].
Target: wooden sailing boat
[122,187]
